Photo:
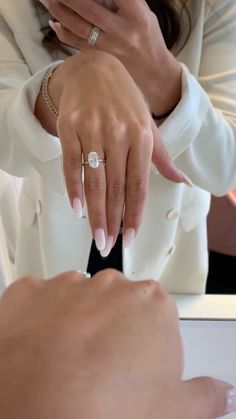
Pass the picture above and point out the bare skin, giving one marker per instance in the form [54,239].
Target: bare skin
[96,115]
[97,349]
[130,32]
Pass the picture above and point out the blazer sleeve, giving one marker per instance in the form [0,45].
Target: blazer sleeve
[201,133]
[24,144]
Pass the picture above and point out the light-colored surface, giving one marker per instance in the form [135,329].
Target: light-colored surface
[207,106]
[206,306]
[210,348]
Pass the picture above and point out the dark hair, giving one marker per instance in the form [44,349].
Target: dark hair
[168,12]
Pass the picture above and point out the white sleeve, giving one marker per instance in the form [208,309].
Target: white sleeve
[201,133]
[24,144]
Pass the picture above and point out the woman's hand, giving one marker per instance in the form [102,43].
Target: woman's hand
[131,32]
[102,110]
[100,348]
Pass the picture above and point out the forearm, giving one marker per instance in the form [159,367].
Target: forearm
[162,85]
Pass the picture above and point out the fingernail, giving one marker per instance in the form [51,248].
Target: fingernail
[77,207]
[44,2]
[86,275]
[129,237]
[52,25]
[185,179]
[105,252]
[100,239]
[231,400]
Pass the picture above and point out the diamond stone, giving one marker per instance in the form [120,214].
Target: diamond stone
[93,160]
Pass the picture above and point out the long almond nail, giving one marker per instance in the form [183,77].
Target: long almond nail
[100,239]
[231,400]
[185,179]
[129,237]
[52,25]
[105,252]
[77,207]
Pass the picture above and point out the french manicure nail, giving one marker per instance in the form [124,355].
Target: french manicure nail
[77,207]
[105,252]
[52,25]
[100,239]
[231,400]
[129,237]
[185,179]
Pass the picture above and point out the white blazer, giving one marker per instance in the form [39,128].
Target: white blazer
[200,136]
[8,227]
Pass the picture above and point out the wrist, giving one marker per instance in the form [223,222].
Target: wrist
[165,86]
[65,72]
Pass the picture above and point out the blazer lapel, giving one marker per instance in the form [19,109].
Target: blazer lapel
[26,30]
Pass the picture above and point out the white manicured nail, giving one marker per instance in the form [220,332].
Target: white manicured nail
[77,207]
[129,237]
[87,275]
[231,400]
[185,179]
[105,252]
[100,239]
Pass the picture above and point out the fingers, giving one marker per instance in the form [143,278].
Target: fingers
[95,192]
[72,166]
[68,37]
[115,196]
[133,8]
[138,169]
[93,12]
[71,20]
[163,162]
[209,397]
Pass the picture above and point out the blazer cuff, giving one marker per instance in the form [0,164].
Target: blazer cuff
[25,125]
[181,128]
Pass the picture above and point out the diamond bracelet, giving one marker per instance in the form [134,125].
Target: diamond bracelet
[44,89]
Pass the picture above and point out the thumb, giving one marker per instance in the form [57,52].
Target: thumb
[163,162]
[209,397]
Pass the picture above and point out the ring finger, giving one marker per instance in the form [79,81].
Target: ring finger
[95,192]
[72,21]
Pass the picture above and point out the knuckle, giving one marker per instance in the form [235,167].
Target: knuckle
[71,162]
[94,184]
[140,128]
[89,122]
[68,277]
[107,277]
[137,188]
[116,127]
[73,119]
[115,191]
[150,286]
[145,20]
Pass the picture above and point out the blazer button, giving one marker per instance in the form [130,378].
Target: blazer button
[172,215]
[39,207]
